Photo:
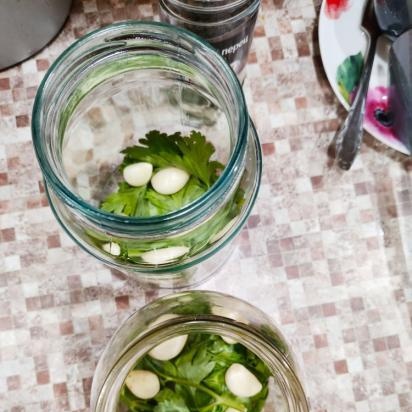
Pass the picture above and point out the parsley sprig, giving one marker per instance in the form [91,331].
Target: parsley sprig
[195,380]
[191,153]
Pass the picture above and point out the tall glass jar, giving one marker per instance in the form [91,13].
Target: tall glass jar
[105,93]
[226,24]
[192,313]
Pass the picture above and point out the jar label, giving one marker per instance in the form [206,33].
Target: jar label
[235,44]
[233,49]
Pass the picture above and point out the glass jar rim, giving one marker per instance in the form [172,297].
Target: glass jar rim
[78,202]
[211,10]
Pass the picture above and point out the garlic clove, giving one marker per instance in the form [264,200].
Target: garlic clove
[113,248]
[241,382]
[172,347]
[222,232]
[169,180]
[228,340]
[143,384]
[138,174]
[227,313]
[169,349]
[230,314]
[165,255]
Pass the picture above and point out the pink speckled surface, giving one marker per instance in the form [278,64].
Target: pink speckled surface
[327,254]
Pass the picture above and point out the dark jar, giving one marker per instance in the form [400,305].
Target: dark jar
[226,24]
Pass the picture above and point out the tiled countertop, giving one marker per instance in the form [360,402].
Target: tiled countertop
[327,254]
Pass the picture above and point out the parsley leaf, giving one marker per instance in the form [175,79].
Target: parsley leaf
[191,153]
[125,201]
[144,201]
[157,148]
[170,401]
[195,364]
[196,152]
[169,203]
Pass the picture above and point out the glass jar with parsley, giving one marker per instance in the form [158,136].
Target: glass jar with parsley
[197,352]
[150,160]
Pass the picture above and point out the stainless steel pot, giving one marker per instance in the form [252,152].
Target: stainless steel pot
[28,25]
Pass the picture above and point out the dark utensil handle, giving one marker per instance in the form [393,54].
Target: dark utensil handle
[349,137]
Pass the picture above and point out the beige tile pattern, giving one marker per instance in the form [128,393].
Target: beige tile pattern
[327,254]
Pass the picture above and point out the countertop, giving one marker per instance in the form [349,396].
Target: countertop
[328,254]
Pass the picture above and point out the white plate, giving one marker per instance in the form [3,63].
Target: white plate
[341,36]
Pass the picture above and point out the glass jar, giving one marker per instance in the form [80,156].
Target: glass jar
[103,94]
[226,24]
[198,312]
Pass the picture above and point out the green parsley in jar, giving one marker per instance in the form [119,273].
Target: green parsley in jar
[197,351]
[150,160]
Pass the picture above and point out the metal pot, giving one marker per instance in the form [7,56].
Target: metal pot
[28,25]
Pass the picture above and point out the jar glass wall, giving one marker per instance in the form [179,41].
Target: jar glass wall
[192,313]
[104,94]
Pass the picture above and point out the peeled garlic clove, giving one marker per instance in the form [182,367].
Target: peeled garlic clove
[217,236]
[165,255]
[112,248]
[226,313]
[241,382]
[143,384]
[138,174]
[169,349]
[169,180]
[228,340]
